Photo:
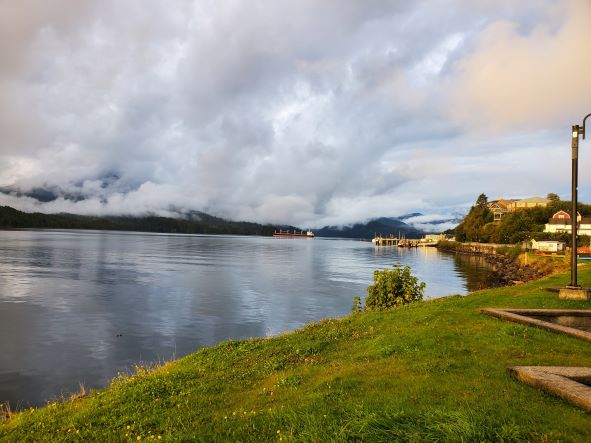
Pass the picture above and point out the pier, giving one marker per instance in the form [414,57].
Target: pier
[402,242]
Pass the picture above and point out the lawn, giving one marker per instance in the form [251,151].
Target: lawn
[431,371]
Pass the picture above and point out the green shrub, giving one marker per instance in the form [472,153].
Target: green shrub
[510,251]
[447,245]
[514,252]
[356,307]
[502,250]
[393,287]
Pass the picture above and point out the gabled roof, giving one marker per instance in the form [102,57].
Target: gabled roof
[497,205]
[563,212]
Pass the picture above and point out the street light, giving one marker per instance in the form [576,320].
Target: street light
[576,132]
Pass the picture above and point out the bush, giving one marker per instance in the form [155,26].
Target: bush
[356,306]
[510,251]
[446,245]
[393,287]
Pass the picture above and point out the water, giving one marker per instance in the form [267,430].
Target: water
[81,306]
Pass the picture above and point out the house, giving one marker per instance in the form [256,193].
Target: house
[548,246]
[561,223]
[499,208]
[531,202]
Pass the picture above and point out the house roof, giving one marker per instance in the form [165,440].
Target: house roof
[565,213]
[534,200]
[497,205]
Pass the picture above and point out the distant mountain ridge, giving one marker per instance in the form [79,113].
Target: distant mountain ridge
[382,226]
[194,222]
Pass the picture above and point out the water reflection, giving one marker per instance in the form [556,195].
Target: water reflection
[475,271]
[82,306]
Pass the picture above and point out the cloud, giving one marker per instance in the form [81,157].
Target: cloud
[299,112]
[434,222]
[520,79]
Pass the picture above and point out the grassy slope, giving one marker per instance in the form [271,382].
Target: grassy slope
[430,371]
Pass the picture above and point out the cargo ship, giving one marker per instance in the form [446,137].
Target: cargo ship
[294,234]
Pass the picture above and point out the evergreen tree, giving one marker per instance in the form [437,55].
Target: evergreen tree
[482,200]
[471,228]
[554,198]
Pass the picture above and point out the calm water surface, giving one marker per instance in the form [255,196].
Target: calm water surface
[81,306]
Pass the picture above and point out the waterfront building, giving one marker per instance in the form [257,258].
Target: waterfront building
[434,237]
[561,223]
[551,246]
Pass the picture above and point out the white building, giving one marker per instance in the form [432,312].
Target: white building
[548,246]
[561,223]
[434,237]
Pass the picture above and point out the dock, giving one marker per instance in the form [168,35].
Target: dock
[402,242]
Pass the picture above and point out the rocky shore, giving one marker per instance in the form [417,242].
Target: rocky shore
[508,268]
[508,271]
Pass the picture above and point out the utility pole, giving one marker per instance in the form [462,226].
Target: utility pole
[574,221]
[574,291]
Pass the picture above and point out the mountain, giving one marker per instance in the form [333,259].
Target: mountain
[382,226]
[411,215]
[192,223]
[43,194]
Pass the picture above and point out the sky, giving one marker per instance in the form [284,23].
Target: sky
[301,112]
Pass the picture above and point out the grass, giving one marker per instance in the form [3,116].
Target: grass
[431,371]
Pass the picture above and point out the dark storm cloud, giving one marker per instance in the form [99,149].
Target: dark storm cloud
[300,112]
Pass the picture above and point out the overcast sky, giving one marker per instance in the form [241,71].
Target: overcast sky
[307,112]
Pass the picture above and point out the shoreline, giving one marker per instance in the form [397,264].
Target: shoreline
[512,266]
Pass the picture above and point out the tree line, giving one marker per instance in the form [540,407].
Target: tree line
[194,223]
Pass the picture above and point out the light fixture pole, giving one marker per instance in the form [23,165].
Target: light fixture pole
[576,131]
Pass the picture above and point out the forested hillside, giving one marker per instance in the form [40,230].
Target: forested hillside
[192,223]
[516,226]
[381,226]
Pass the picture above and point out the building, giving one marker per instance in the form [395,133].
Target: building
[551,246]
[531,202]
[434,238]
[499,208]
[561,223]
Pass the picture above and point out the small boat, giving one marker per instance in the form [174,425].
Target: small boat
[294,234]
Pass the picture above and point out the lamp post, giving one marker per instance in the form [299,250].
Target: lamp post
[576,132]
